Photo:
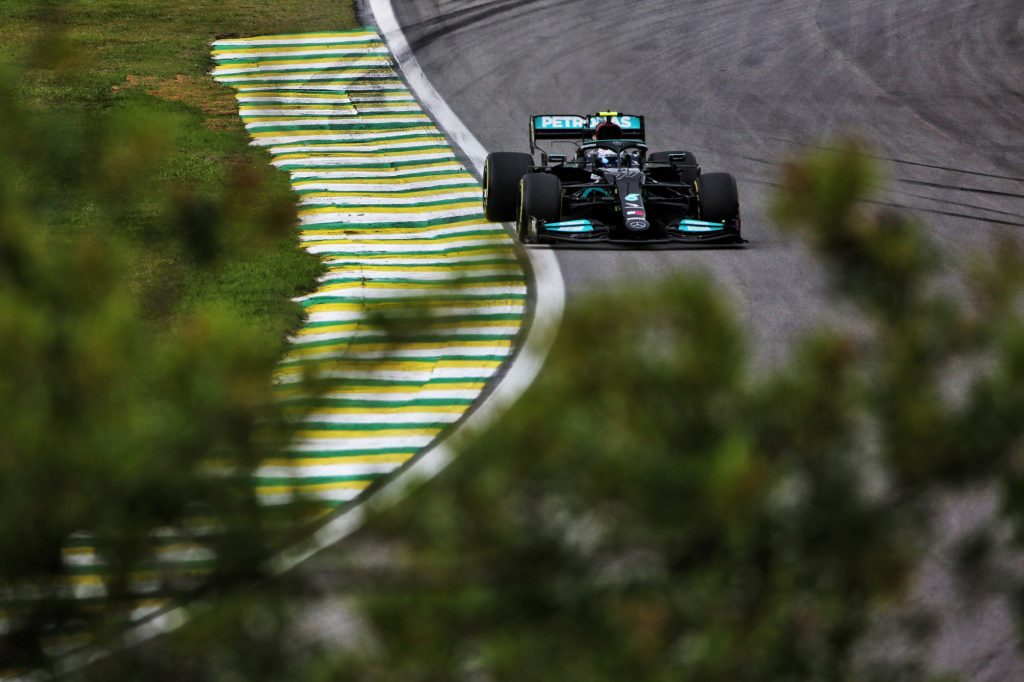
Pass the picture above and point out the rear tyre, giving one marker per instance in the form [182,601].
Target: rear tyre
[719,199]
[502,174]
[691,167]
[541,198]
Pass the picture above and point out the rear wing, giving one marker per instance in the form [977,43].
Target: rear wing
[580,128]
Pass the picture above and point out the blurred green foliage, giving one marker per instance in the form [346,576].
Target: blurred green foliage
[147,260]
[107,420]
[652,509]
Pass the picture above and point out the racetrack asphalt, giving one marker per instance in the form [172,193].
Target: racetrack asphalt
[936,86]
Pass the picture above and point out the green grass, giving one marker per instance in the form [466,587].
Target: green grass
[114,63]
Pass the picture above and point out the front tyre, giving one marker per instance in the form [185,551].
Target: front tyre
[502,174]
[718,196]
[540,197]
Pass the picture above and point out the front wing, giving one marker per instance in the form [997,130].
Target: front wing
[683,231]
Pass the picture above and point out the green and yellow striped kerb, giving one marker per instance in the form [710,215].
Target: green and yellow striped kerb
[396,218]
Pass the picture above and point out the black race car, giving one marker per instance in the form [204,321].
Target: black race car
[610,189]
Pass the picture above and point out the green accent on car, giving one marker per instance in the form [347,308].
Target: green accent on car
[699,226]
[570,226]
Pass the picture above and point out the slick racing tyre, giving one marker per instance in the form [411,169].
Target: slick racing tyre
[540,197]
[502,174]
[690,170]
[719,200]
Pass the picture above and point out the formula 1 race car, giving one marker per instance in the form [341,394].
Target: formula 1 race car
[610,189]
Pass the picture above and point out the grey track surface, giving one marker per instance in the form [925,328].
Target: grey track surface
[936,85]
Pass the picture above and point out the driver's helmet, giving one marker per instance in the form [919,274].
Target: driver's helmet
[607,158]
[607,131]
[599,157]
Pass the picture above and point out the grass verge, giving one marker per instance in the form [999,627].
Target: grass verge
[117,63]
